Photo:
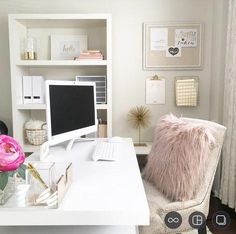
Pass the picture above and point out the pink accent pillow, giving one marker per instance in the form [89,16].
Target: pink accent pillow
[177,160]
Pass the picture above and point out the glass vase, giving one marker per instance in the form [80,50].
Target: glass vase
[7,187]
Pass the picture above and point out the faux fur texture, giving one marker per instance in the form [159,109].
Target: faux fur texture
[177,160]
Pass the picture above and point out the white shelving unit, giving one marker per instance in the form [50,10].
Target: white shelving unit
[97,27]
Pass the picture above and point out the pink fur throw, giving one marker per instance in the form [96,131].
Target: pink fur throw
[177,160]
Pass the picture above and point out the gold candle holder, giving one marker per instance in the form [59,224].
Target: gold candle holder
[30,55]
[30,49]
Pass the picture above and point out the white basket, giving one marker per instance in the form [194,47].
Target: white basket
[36,136]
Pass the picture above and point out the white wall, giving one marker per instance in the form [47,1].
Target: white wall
[128,76]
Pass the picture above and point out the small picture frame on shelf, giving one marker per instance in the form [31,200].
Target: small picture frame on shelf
[67,47]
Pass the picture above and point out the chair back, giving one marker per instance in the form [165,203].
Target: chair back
[213,159]
[160,207]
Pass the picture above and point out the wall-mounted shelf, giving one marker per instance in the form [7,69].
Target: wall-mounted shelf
[143,150]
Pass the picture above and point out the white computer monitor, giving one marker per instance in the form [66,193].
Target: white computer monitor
[71,110]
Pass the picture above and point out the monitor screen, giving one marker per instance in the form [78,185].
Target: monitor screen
[71,107]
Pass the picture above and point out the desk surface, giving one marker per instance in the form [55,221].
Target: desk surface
[102,193]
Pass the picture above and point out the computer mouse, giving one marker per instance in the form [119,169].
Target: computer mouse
[115,139]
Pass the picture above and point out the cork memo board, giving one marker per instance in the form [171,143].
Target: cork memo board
[172,46]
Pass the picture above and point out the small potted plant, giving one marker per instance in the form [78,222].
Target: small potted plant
[12,158]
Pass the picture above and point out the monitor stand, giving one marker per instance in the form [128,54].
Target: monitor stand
[71,142]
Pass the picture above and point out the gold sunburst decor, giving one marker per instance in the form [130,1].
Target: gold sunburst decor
[139,117]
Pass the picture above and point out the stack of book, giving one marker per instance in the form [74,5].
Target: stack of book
[90,54]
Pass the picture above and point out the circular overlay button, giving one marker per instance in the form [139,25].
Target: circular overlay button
[197,220]
[221,220]
[173,220]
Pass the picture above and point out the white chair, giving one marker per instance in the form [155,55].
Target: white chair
[161,206]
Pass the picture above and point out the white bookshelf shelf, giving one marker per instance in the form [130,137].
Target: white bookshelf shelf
[30,148]
[31,107]
[102,106]
[43,107]
[53,63]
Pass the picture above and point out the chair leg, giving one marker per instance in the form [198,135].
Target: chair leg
[203,230]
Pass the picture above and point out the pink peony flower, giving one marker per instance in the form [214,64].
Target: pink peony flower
[11,154]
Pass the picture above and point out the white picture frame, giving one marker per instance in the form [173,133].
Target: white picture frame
[67,47]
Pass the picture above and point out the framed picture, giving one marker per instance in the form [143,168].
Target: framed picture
[172,46]
[67,47]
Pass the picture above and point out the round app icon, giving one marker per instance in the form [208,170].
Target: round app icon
[221,220]
[173,220]
[197,220]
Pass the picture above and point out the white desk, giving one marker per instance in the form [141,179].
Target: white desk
[102,193]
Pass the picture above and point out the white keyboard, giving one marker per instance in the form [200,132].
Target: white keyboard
[104,151]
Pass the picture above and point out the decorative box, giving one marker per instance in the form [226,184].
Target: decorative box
[44,185]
